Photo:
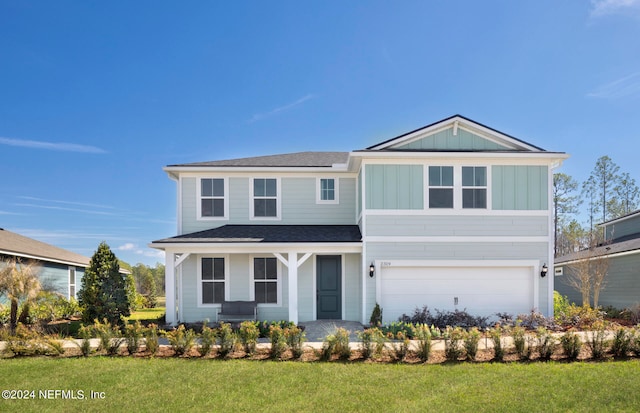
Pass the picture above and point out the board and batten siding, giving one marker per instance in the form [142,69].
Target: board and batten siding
[394,187]
[623,228]
[457,225]
[446,140]
[519,187]
[298,204]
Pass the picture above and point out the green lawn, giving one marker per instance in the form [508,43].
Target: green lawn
[147,314]
[159,385]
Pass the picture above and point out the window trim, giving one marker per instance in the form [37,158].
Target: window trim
[485,186]
[225,198]
[72,269]
[336,191]
[278,199]
[458,188]
[429,187]
[252,281]
[200,280]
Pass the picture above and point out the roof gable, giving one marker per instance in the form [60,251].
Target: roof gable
[456,133]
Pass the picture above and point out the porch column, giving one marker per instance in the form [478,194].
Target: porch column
[293,287]
[170,288]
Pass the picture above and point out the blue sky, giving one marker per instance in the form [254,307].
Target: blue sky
[96,97]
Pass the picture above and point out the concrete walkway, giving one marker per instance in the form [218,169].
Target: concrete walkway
[316,331]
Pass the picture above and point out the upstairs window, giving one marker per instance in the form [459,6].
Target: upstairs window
[474,187]
[265,198]
[327,191]
[441,187]
[265,280]
[212,198]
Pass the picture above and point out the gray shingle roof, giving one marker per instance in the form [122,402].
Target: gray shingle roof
[630,243]
[271,233]
[19,245]
[298,159]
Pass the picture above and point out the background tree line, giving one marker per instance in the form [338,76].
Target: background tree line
[606,194]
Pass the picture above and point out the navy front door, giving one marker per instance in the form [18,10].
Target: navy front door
[329,287]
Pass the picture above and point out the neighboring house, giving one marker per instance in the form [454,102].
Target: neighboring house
[454,215]
[61,270]
[622,248]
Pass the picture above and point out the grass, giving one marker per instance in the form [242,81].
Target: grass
[147,314]
[131,384]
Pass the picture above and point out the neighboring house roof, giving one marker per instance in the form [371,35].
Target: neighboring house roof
[18,245]
[271,233]
[298,159]
[628,245]
[620,218]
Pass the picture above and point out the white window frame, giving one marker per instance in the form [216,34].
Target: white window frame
[278,199]
[200,197]
[252,288]
[457,189]
[336,191]
[200,280]
[72,270]
[485,187]
[429,187]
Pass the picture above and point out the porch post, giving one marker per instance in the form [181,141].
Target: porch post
[170,288]
[293,287]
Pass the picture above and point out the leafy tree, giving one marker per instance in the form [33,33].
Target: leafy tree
[564,202]
[158,275]
[145,283]
[19,282]
[103,293]
[573,237]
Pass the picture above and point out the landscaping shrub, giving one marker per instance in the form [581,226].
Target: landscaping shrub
[133,334]
[110,337]
[151,338]
[633,313]
[471,339]
[264,326]
[560,305]
[495,335]
[207,340]
[571,345]
[336,344]
[581,317]
[85,334]
[622,342]
[534,319]
[422,334]
[376,316]
[396,327]
[248,333]
[453,337]
[227,339]
[546,343]
[518,333]
[181,339]
[50,306]
[27,342]
[399,346]
[295,337]
[596,340]
[278,342]
[444,319]
[372,342]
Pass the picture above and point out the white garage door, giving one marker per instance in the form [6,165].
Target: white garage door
[481,291]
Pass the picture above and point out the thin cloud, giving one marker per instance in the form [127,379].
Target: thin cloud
[51,146]
[261,116]
[623,87]
[31,198]
[147,252]
[600,8]
[57,208]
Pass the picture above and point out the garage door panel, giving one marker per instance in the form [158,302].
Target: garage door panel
[481,291]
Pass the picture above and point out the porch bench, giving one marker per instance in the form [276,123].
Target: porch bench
[238,311]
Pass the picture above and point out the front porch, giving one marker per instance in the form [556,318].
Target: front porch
[318,274]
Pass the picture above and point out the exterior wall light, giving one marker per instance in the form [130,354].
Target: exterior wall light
[372,270]
[544,271]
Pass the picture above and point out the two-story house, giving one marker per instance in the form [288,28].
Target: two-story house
[454,215]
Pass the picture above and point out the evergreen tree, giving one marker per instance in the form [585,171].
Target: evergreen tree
[627,195]
[103,293]
[564,202]
[605,179]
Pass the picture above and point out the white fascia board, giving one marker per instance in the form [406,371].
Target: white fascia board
[617,220]
[494,157]
[454,239]
[612,255]
[45,259]
[244,248]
